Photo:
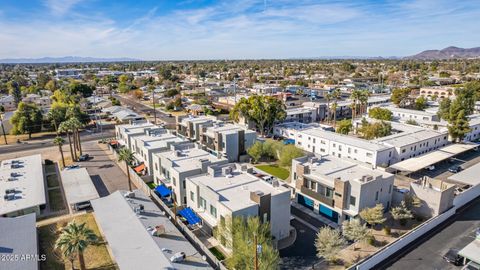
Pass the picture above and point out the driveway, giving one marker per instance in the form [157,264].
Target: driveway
[105,173]
[302,254]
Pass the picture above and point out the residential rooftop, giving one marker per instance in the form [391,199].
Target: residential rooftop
[345,139]
[187,159]
[234,188]
[225,129]
[18,238]
[129,234]
[78,186]
[25,176]
[406,138]
[328,168]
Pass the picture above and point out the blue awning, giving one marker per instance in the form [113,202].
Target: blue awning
[163,190]
[188,214]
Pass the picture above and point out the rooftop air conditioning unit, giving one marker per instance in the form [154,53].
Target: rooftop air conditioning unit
[275,183]
[227,170]
[130,194]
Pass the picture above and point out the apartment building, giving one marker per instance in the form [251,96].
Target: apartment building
[125,133]
[156,141]
[8,103]
[302,115]
[440,92]
[226,140]
[22,186]
[290,129]
[172,167]
[230,190]
[408,114]
[322,142]
[43,102]
[189,126]
[339,189]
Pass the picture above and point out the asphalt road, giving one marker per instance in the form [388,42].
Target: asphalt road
[458,232]
[141,108]
[37,144]
[302,254]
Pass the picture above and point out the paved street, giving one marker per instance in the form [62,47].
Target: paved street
[105,173]
[302,254]
[428,255]
[144,109]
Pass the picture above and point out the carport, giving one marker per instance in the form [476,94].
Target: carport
[79,188]
[417,163]
[469,176]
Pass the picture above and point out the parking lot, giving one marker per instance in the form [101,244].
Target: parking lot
[465,160]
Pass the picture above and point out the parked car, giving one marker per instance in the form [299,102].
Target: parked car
[178,257]
[84,157]
[452,257]
[430,168]
[455,169]
[72,167]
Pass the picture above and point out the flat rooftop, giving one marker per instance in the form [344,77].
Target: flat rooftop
[25,175]
[234,189]
[163,143]
[18,238]
[78,186]
[409,111]
[345,139]
[188,159]
[469,176]
[225,129]
[299,110]
[406,138]
[198,119]
[327,168]
[132,244]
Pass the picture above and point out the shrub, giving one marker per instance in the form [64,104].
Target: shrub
[371,241]
[387,230]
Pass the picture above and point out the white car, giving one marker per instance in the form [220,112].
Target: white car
[430,168]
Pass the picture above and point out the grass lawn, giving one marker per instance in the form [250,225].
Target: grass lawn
[274,170]
[12,139]
[217,253]
[52,180]
[56,200]
[96,256]
[151,185]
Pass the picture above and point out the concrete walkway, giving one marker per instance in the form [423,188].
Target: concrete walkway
[309,216]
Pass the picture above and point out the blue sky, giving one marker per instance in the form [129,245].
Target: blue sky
[234,29]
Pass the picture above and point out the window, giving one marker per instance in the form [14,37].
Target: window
[333,145]
[213,211]
[314,139]
[222,221]
[156,167]
[369,154]
[353,200]
[184,200]
[203,203]
[192,196]
[376,196]
[355,151]
[174,181]
[403,150]
[184,184]
[329,192]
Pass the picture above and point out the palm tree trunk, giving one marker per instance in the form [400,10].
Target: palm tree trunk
[79,142]
[128,175]
[61,153]
[81,260]
[70,144]
[74,136]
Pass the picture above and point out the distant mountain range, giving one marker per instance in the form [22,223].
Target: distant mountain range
[447,53]
[66,59]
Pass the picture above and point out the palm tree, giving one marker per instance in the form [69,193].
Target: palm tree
[364,95]
[75,125]
[328,97]
[65,127]
[60,141]
[355,96]
[336,95]
[74,240]
[127,156]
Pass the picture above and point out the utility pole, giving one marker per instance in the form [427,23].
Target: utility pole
[235,89]
[256,251]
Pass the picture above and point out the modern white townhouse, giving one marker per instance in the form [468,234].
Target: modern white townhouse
[189,126]
[226,140]
[172,167]
[322,142]
[125,133]
[22,186]
[339,189]
[230,190]
[156,141]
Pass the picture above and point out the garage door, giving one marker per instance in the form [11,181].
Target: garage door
[307,202]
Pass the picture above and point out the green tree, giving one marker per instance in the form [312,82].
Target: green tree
[328,243]
[57,114]
[84,90]
[26,120]
[289,152]
[256,151]
[344,126]
[74,240]
[375,130]
[458,126]
[401,213]
[355,97]
[373,215]
[59,141]
[399,94]
[380,114]
[126,156]
[420,103]
[15,91]
[264,111]
[411,122]
[240,233]
[171,92]
[444,109]
[354,230]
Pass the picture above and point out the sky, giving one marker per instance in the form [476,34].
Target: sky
[234,29]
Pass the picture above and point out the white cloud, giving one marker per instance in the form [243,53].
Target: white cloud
[60,7]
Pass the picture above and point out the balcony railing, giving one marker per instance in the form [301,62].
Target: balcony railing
[317,196]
